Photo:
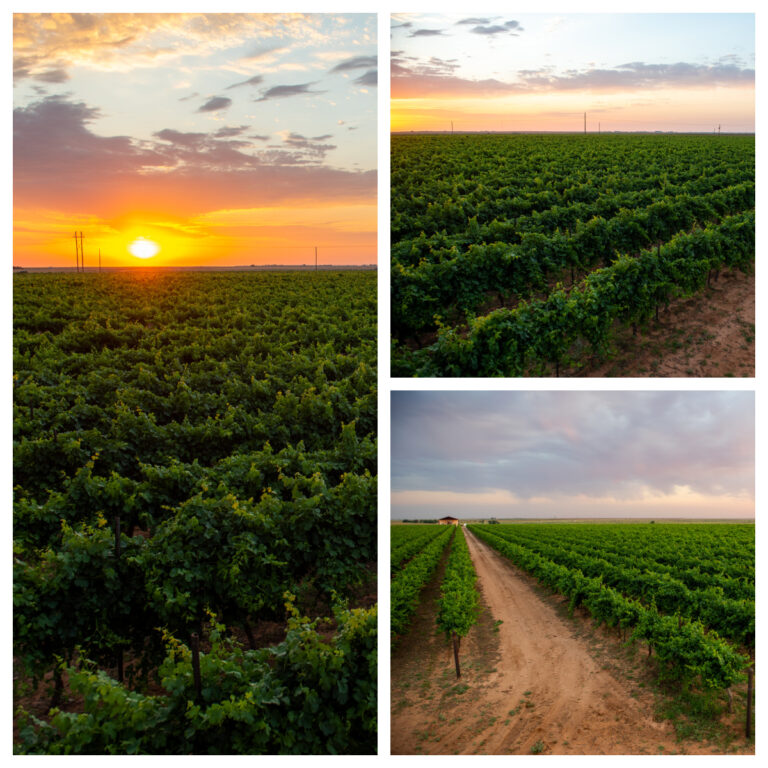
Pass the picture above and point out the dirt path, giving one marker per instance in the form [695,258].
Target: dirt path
[537,682]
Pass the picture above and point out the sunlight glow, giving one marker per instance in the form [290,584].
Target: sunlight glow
[143,248]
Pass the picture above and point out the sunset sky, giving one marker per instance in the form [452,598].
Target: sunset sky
[521,72]
[224,139]
[573,454]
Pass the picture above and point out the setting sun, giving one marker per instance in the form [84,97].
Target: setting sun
[143,248]
[143,140]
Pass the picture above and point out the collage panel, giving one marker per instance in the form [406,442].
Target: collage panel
[573,572]
[195,398]
[569,199]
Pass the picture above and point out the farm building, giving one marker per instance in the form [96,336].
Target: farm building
[448,521]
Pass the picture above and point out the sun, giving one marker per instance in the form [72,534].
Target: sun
[143,248]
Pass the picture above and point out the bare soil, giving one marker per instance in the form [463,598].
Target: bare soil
[709,334]
[533,680]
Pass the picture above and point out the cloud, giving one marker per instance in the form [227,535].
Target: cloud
[622,445]
[60,164]
[370,78]
[255,80]
[426,33]
[493,30]
[283,91]
[481,26]
[100,41]
[262,52]
[412,78]
[58,75]
[638,75]
[311,146]
[215,104]
[408,66]
[358,62]
[230,131]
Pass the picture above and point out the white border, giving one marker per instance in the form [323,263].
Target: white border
[384,10]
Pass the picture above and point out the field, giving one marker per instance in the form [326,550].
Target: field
[195,513]
[589,639]
[548,255]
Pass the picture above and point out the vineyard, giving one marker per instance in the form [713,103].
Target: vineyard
[195,512]
[523,255]
[415,554]
[587,638]
[688,592]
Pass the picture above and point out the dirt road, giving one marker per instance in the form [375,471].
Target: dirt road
[538,682]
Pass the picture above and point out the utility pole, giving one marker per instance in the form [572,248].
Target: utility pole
[718,130]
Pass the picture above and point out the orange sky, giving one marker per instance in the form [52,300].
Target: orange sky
[227,139]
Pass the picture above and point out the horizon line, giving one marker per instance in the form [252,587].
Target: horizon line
[244,267]
[582,133]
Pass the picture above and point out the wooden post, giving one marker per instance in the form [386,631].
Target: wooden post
[750,685]
[195,647]
[117,536]
[456,654]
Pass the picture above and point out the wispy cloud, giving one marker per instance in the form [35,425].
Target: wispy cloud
[255,80]
[413,77]
[284,91]
[215,104]
[507,28]
[358,62]
[426,33]
[370,78]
